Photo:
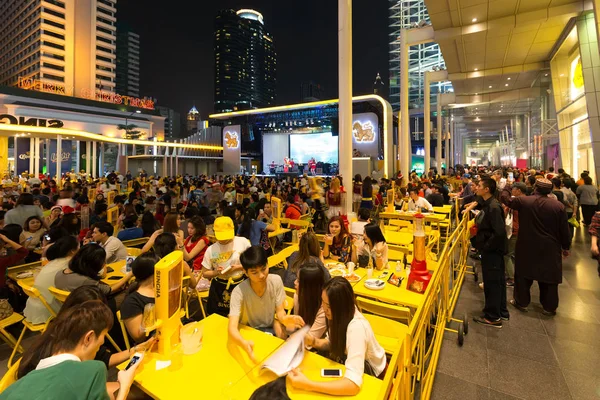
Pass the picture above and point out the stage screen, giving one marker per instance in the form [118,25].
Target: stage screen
[322,146]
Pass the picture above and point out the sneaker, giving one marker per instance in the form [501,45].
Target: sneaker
[517,306]
[505,318]
[510,283]
[548,313]
[484,321]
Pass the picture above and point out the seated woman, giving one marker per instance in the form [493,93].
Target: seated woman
[33,230]
[196,243]
[256,231]
[87,267]
[350,340]
[338,242]
[309,251]
[165,244]
[138,296]
[59,255]
[307,299]
[373,246]
[60,364]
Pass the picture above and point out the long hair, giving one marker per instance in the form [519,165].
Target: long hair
[341,302]
[374,233]
[200,227]
[62,247]
[149,224]
[170,225]
[88,261]
[66,331]
[71,223]
[311,279]
[142,268]
[246,225]
[26,224]
[25,199]
[343,231]
[164,244]
[308,246]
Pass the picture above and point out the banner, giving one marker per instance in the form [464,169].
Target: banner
[82,156]
[232,149]
[23,154]
[4,155]
[66,160]
[365,134]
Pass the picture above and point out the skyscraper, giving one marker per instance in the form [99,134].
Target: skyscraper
[406,14]
[172,122]
[128,61]
[193,117]
[66,45]
[379,86]
[245,61]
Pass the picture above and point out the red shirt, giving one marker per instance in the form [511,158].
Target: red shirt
[293,212]
[189,246]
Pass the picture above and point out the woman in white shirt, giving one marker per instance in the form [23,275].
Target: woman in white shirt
[350,340]
[375,246]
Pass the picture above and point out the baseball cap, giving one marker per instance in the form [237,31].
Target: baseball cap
[223,228]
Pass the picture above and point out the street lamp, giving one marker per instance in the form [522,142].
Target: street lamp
[127,116]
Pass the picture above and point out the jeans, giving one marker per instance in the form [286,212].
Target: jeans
[494,286]
[509,258]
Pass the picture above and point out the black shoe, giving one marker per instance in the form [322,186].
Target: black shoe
[517,306]
[548,313]
[505,318]
[484,321]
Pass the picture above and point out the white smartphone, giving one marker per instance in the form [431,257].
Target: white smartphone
[331,373]
[511,176]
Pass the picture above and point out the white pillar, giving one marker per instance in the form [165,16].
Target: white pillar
[447,146]
[31,154]
[405,150]
[58,160]
[427,121]
[48,155]
[88,157]
[94,159]
[345,95]
[452,142]
[440,130]
[77,156]
[38,155]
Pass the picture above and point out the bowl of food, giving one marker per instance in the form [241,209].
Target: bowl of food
[352,278]
[337,272]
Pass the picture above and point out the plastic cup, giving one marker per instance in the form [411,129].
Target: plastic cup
[369,273]
[350,268]
[191,338]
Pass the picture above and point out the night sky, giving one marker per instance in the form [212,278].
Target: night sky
[177,63]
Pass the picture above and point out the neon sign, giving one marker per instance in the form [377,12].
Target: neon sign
[98,95]
[48,123]
[231,140]
[363,132]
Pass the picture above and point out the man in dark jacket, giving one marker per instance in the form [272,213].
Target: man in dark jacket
[435,198]
[544,239]
[490,241]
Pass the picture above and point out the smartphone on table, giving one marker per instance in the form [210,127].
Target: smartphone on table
[331,373]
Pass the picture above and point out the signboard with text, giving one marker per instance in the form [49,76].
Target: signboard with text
[65,162]
[232,149]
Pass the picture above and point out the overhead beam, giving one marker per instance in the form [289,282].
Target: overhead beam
[513,69]
[495,97]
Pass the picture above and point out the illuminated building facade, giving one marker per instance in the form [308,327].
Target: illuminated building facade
[245,62]
[70,44]
[406,14]
[128,61]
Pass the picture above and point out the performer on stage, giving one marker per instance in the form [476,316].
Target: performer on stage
[272,167]
[312,166]
[286,164]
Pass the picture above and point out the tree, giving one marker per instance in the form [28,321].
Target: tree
[130,131]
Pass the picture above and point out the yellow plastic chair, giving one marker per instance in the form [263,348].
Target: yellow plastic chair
[282,256]
[288,305]
[32,292]
[399,222]
[384,318]
[123,330]
[5,323]
[132,251]
[398,238]
[10,376]
[397,253]
[201,296]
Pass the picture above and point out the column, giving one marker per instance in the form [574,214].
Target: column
[405,150]
[94,160]
[447,146]
[31,154]
[47,156]
[427,121]
[38,155]
[88,157]
[345,95]
[77,156]
[452,142]
[440,130]
[58,160]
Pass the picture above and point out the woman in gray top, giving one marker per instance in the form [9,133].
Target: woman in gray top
[24,208]
[588,199]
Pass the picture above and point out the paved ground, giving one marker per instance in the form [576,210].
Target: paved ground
[532,356]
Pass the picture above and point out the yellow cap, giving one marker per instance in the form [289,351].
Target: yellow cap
[223,228]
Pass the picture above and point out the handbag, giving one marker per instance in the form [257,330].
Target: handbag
[508,222]
[6,309]
[573,221]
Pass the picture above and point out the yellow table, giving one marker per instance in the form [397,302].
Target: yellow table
[311,366]
[390,293]
[399,238]
[209,373]
[110,278]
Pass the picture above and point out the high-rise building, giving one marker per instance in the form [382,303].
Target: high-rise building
[311,91]
[245,61]
[172,122]
[379,86]
[66,45]
[406,14]
[128,61]
[193,117]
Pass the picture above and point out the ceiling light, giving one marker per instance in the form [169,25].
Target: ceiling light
[508,79]
[545,74]
[477,130]
[476,69]
[506,84]
[561,75]
[474,20]
[490,86]
[476,94]
[499,111]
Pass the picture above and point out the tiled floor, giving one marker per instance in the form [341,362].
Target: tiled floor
[532,356]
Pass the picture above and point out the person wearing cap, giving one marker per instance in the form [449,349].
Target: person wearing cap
[221,264]
[55,214]
[543,240]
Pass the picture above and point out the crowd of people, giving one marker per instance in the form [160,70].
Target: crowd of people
[524,225]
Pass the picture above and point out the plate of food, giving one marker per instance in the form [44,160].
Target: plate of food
[337,272]
[374,284]
[335,265]
[352,277]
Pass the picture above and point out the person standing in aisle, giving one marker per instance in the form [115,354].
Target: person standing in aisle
[544,238]
[518,189]
[491,242]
